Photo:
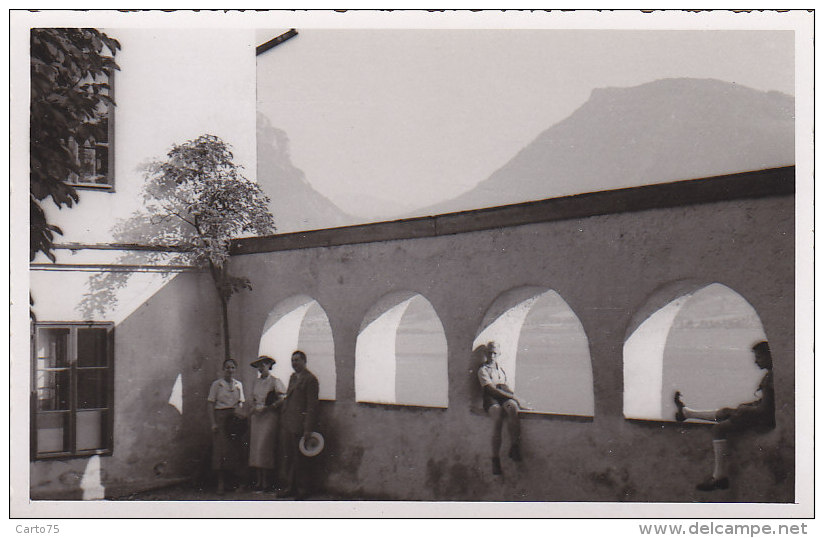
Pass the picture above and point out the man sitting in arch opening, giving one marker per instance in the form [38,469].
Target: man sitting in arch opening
[499,401]
[752,415]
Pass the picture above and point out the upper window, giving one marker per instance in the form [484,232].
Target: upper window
[698,344]
[401,354]
[543,349]
[94,156]
[72,389]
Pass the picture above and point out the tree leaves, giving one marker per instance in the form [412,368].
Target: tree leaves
[70,69]
[199,185]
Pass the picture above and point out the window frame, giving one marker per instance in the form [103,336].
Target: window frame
[109,145]
[107,447]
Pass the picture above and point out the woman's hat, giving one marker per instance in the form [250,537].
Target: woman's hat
[313,446]
[263,359]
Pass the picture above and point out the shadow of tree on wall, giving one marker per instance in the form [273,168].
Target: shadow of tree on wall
[140,228]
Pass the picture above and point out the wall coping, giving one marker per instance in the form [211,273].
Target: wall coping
[755,184]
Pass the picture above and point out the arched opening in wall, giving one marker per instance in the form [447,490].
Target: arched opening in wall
[301,323]
[699,344]
[401,354]
[543,349]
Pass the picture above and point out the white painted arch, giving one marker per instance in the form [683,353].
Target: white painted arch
[699,344]
[401,353]
[299,322]
[543,349]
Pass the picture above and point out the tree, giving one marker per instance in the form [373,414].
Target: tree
[199,186]
[70,70]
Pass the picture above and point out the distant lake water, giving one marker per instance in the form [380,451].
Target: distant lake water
[712,367]
[421,357]
[554,371]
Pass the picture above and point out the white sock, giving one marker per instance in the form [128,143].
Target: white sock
[719,450]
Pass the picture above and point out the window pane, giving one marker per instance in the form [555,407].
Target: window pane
[102,163]
[52,390]
[92,388]
[92,345]
[104,122]
[91,430]
[52,432]
[52,348]
[87,162]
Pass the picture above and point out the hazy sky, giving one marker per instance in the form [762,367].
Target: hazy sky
[383,121]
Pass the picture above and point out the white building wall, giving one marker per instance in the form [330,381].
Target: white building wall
[174,85]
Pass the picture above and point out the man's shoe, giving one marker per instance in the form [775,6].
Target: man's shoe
[679,413]
[515,452]
[713,483]
[496,466]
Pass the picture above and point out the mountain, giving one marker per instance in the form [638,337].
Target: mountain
[295,205]
[657,132]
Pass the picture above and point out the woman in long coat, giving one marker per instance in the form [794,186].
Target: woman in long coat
[267,394]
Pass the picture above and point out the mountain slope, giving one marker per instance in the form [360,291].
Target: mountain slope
[654,133]
[295,205]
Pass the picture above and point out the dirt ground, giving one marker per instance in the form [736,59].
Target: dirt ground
[191,492]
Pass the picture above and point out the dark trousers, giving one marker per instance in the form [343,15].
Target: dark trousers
[293,463]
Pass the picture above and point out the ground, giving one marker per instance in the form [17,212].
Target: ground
[189,492]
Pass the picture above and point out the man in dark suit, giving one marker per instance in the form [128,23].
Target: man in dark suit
[298,418]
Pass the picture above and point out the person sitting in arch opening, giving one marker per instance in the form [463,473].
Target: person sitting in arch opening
[499,401]
[752,415]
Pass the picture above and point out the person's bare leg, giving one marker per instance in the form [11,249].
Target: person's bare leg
[497,425]
[514,425]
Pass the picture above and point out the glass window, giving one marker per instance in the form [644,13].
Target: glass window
[72,381]
[91,347]
[93,156]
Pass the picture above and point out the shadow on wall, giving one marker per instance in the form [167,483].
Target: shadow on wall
[106,288]
[167,351]
[161,427]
